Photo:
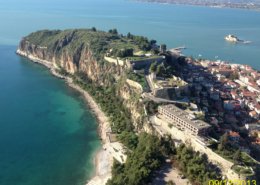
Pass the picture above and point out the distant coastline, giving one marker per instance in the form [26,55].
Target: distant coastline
[215,4]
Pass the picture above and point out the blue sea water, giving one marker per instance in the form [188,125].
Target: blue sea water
[47,134]
[200,29]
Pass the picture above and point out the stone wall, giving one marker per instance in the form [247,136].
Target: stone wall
[144,62]
[165,93]
[115,61]
[196,144]
[135,85]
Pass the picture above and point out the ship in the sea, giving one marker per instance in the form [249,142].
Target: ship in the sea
[235,39]
[232,38]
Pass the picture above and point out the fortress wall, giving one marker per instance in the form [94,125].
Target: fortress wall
[135,85]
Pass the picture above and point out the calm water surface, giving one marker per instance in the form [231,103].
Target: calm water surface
[47,134]
[200,29]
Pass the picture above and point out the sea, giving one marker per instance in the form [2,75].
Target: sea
[48,135]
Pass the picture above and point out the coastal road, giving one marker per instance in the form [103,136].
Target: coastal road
[162,100]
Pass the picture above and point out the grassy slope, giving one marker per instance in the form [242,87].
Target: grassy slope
[71,40]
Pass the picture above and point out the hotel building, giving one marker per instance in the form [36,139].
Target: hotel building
[183,120]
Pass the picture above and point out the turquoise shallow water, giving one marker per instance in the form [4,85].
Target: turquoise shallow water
[47,134]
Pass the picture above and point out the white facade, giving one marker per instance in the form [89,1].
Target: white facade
[182,120]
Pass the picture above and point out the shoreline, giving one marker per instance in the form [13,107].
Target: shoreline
[103,160]
[219,6]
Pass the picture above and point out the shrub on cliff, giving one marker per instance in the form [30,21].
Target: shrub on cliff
[140,163]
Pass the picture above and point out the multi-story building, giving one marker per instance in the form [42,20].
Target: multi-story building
[183,120]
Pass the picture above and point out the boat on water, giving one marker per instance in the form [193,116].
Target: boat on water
[232,38]
[235,39]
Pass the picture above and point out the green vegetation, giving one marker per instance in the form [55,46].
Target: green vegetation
[142,42]
[129,139]
[74,41]
[123,43]
[153,67]
[247,160]
[195,166]
[122,53]
[138,78]
[147,151]
[243,170]
[231,152]
[170,183]
[135,58]
[163,70]
[93,29]
[62,71]
[200,116]
[225,149]
[151,107]
[234,76]
[147,156]
[237,157]
[112,105]
[113,31]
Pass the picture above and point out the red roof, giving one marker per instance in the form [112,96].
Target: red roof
[257,141]
[233,93]
[252,113]
[234,134]
[257,106]
[253,83]
[248,93]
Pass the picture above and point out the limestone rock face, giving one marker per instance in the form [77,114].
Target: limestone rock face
[82,60]
[75,51]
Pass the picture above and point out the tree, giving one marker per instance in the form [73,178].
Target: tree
[237,156]
[129,35]
[113,31]
[160,69]
[152,67]
[234,76]
[195,166]
[129,139]
[163,47]
[168,146]
[223,142]
[152,42]
[155,51]
[140,162]
[122,53]
[94,29]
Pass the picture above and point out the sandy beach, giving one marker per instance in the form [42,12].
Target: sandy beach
[103,159]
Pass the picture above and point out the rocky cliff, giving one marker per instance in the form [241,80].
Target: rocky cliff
[70,51]
[82,51]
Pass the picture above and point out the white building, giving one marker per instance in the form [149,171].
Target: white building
[183,120]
